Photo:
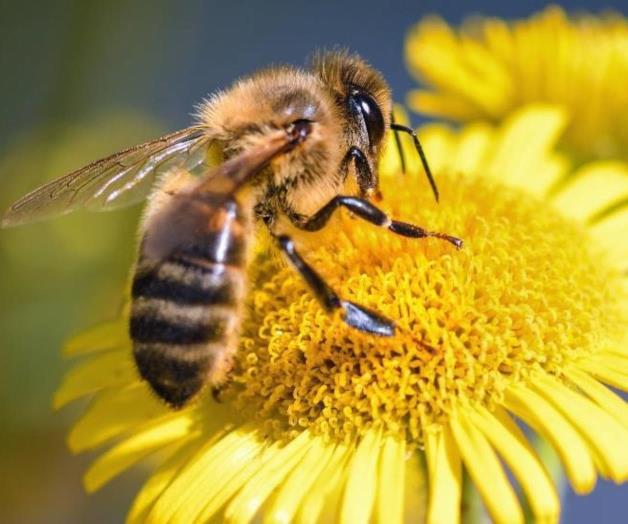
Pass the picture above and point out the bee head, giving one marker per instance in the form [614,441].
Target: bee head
[360,93]
[363,99]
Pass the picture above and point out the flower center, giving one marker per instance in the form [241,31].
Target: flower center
[527,292]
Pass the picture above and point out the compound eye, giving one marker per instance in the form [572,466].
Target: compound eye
[372,115]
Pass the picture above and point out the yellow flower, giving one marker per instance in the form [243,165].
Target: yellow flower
[323,423]
[490,67]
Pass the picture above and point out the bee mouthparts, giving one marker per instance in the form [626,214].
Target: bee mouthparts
[299,130]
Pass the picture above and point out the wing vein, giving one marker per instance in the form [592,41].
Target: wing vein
[120,179]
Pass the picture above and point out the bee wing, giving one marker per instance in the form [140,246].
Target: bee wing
[121,179]
[190,209]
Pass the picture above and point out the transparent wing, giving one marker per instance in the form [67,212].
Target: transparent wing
[118,180]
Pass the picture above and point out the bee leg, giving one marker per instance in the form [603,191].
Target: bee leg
[367,182]
[369,212]
[356,316]
[217,394]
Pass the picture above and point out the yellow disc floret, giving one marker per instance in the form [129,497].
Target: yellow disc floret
[527,292]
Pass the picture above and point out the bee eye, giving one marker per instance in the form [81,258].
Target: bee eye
[371,114]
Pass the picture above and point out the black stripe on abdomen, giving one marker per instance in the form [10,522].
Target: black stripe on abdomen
[175,373]
[214,291]
[184,281]
[149,328]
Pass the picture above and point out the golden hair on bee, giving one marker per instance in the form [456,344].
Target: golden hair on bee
[346,75]
[281,149]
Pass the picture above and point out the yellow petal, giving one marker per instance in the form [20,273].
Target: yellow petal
[616,361]
[359,495]
[550,170]
[460,68]
[135,448]
[612,233]
[523,463]
[593,188]
[439,142]
[401,115]
[330,480]
[108,369]
[523,142]
[507,421]
[247,502]
[206,495]
[604,397]
[391,482]
[415,488]
[113,412]
[605,373]
[574,453]
[294,488]
[432,444]
[498,37]
[473,146]
[619,351]
[158,481]
[486,471]
[238,468]
[107,335]
[445,105]
[445,473]
[492,71]
[198,471]
[606,437]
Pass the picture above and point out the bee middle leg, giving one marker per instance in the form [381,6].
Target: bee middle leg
[356,316]
[369,212]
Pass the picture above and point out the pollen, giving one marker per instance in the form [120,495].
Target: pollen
[528,292]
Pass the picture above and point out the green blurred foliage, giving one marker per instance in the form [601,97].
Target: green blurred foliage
[57,277]
[60,276]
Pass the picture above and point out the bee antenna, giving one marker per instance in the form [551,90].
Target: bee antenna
[419,148]
[402,156]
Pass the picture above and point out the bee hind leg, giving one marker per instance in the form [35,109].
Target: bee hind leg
[355,315]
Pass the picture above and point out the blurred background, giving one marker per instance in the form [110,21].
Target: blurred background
[82,79]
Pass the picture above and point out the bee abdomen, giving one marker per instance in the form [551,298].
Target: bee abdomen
[149,326]
[189,280]
[176,373]
[184,322]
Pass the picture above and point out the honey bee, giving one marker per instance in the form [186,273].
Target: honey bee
[291,141]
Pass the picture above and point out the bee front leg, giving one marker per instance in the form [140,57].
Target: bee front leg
[367,211]
[356,316]
[367,181]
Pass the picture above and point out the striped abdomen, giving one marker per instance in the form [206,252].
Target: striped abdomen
[185,311]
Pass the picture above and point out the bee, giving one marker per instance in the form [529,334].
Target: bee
[291,141]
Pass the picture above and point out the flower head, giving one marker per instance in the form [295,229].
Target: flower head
[490,67]
[321,422]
